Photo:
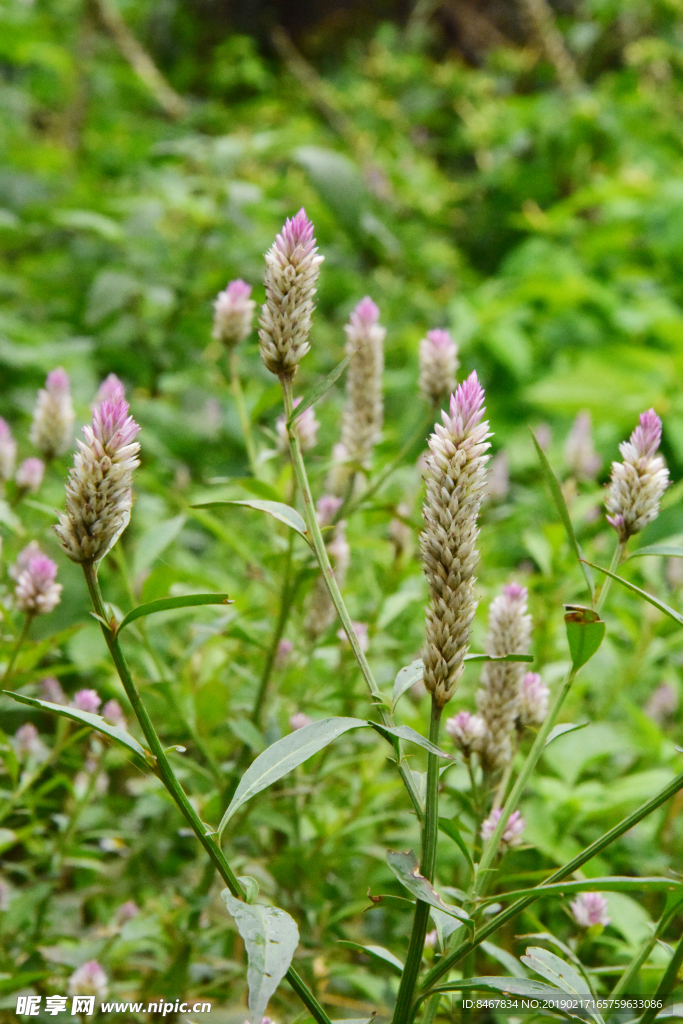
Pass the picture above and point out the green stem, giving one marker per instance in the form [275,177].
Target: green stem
[245,422]
[667,984]
[316,539]
[171,782]
[491,847]
[15,650]
[631,972]
[422,910]
[448,962]
[614,565]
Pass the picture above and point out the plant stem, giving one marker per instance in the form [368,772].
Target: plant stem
[422,910]
[245,422]
[667,984]
[15,650]
[316,538]
[614,565]
[171,782]
[451,959]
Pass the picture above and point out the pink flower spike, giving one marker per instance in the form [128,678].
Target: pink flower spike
[58,380]
[36,592]
[112,426]
[512,834]
[327,508]
[648,434]
[53,416]
[111,387]
[233,313]
[298,231]
[30,475]
[238,290]
[88,980]
[589,909]
[466,408]
[86,700]
[515,592]
[367,311]
[113,713]
[299,720]
[51,690]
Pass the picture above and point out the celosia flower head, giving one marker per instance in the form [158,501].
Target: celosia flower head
[637,483]
[467,731]
[54,416]
[292,268]
[87,700]
[438,365]
[113,713]
[27,743]
[306,426]
[456,479]
[110,387]
[88,980]
[233,313]
[299,720]
[533,700]
[8,451]
[29,475]
[590,908]
[98,494]
[582,459]
[51,690]
[512,834]
[36,591]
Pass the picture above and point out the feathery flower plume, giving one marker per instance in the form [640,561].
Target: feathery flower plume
[88,980]
[36,592]
[581,457]
[456,480]
[438,365]
[512,836]
[53,418]
[467,731]
[590,908]
[364,409]
[322,612]
[639,481]
[233,314]
[306,426]
[108,389]
[98,494]
[86,700]
[8,451]
[292,268]
[498,700]
[29,475]
[533,701]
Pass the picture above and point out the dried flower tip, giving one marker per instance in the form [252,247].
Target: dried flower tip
[86,700]
[361,631]
[98,494]
[582,459]
[27,743]
[89,980]
[327,508]
[456,479]
[29,476]
[306,426]
[292,268]
[637,483]
[36,592]
[498,486]
[590,908]
[467,731]
[299,720]
[8,451]
[533,701]
[110,387]
[233,314]
[438,365]
[53,418]
[512,836]
[113,712]
[51,690]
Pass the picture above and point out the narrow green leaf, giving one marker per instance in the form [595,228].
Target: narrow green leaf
[288,753]
[319,390]
[277,509]
[502,657]
[613,883]
[94,721]
[667,550]
[503,957]
[407,677]
[511,986]
[562,974]
[165,604]
[642,593]
[450,828]
[404,732]
[405,867]
[585,633]
[271,937]
[565,727]
[377,951]
[561,506]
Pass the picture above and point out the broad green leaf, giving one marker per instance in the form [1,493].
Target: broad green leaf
[614,883]
[319,390]
[155,541]
[404,732]
[667,550]
[94,721]
[277,509]
[271,938]
[555,970]
[285,755]
[642,593]
[503,657]
[406,677]
[165,604]
[450,828]
[585,633]
[561,506]
[377,951]
[564,727]
[405,867]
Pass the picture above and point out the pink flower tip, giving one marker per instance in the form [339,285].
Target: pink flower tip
[648,434]
[300,720]
[238,290]
[367,311]
[467,401]
[298,231]
[58,380]
[5,431]
[112,426]
[111,387]
[440,339]
[514,591]
[87,700]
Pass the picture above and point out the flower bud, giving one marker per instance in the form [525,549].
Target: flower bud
[51,690]
[36,592]
[233,314]
[89,980]
[467,731]
[110,387]
[533,700]
[86,700]
[29,476]
[582,460]
[590,908]
[299,720]
[327,508]
[54,416]
[113,712]
[512,836]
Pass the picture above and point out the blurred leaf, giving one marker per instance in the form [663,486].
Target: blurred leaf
[247,732]
[611,884]
[642,593]
[285,514]
[506,959]
[450,828]
[155,541]
[526,658]
[562,729]
[319,390]
[405,867]
[165,604]
[404,732]
[406,677]
[377,951]
[667,550]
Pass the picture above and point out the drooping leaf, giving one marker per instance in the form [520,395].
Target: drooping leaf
[561,506]
[405,867]
[613,883]
[270,937]
[404,732]
[165,604]
[377,951]
[450,828]
[316,393]
[277,509]
[94,721]
[642,593]
[284,755]
[667,550]
[585,633]
[562,729]
[406,677]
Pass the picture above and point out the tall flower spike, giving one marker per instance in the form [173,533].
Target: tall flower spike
[533,701]
[438,365]
[638,482]
[499,698]
[456,480]
[98,493]
[582,459]
[292,268]
[233,314]
[54,416]
[364,409]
